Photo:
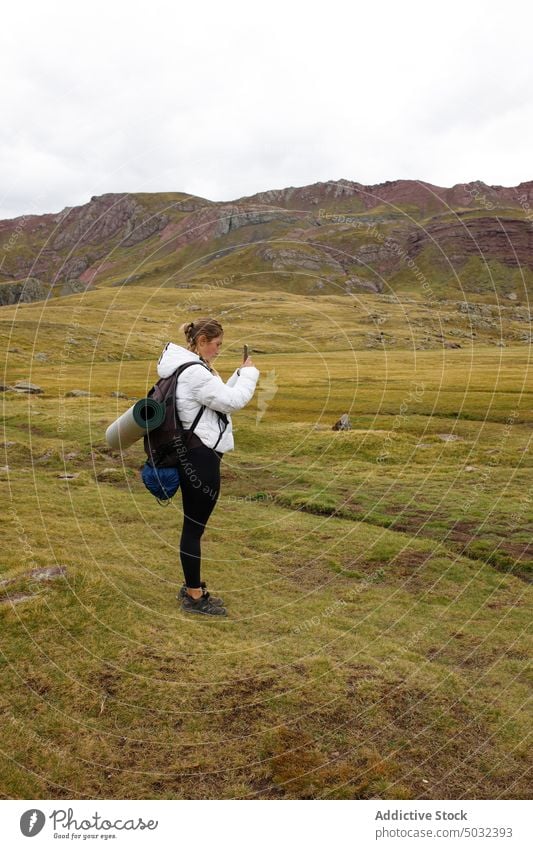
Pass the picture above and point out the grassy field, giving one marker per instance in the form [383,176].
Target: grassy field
[377,580]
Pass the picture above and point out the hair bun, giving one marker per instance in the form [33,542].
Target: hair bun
[208,327]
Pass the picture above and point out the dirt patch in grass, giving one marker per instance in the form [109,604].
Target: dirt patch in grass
[471,653]
[506,602]
[357,673]
[505,556]
[418,521]
[407,562]
[308,575]
[522,551]
[463,531]
[441,747]
[409,567]
[406,569]
[354,507]
[38,684]
[246,702]
[298,769]
[430,735]
[108,681]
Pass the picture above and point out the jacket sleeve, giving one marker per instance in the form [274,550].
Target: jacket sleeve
[210,390]
[231,381]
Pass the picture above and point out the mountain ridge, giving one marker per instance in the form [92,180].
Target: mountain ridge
[345,234]
[525,186]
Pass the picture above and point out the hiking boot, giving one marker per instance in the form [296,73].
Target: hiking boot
[183,592]
[204,605]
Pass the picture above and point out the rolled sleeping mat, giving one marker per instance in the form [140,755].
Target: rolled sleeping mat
[144,416]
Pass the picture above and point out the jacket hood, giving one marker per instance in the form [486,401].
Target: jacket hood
[172,357]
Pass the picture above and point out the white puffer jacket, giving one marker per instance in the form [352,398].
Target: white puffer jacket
[196,386]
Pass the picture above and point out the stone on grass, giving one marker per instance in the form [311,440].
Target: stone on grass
[46,573]
[16,598]
[110,475]
[25,386]
[343,423]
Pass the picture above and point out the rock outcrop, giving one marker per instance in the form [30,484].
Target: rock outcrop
[506,239]
[283,258]
[106,217]
[214,221]
[68,243]
[23,291]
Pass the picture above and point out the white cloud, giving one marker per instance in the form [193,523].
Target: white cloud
[224,100]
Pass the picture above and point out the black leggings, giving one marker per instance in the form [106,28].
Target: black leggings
[199,471]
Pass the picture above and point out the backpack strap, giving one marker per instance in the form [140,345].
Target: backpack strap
[172,397]
[222,417]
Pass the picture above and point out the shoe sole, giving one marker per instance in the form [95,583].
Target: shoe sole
[203,612]
[220,603]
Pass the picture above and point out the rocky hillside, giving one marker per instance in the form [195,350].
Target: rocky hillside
[400,237]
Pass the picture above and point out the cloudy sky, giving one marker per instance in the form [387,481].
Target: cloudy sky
[225,98]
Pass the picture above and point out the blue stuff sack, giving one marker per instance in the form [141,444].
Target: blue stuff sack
[161,482]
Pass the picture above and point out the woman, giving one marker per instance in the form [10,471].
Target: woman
[199,465]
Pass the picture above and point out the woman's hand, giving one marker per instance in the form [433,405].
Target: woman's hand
[248,362]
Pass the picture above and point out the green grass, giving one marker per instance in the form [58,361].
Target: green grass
[377,641]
